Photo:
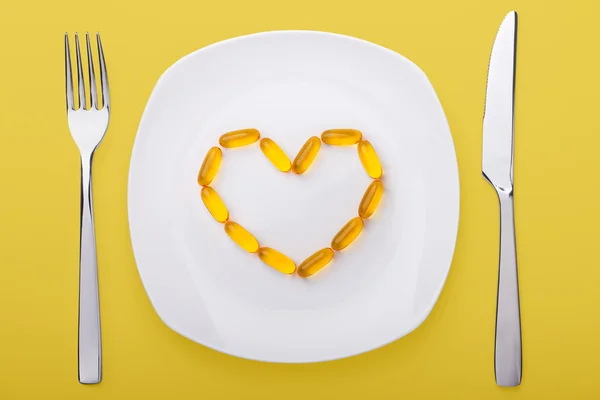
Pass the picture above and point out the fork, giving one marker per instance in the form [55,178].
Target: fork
[87,127]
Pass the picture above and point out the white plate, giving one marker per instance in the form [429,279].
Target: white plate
[292,85]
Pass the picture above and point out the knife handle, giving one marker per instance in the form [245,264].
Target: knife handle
[507,352]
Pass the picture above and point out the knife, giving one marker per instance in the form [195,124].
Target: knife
[497,166]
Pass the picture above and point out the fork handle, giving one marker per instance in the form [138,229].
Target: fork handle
[90,344]
[507,354]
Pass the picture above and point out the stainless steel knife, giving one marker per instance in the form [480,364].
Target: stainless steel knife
[498,130]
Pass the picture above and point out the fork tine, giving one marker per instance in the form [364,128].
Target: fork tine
[103,75]
[80,86]
[91,74]
[68,76]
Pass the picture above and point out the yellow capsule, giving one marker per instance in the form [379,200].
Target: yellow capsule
[239,138]
[315,262]
[370,199]
[275,259]
[341,137]
[241,236]
[214,204]
[369,159]
[210,166]
[347,234]
[274,153]
[306,155]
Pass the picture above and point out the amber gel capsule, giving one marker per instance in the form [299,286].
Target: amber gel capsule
[274,153]
[341,137]
[241,237]
[240,138]
[370,199]
[306,155]
[214,204]
[315,262]
[347,234]
[369,159]
[210,166]
[275,259]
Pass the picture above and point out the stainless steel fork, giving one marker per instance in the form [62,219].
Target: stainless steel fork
[87,127]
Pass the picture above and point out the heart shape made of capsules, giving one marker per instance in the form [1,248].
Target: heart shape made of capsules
[303,160]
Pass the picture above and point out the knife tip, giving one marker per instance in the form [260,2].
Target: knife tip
[510,19]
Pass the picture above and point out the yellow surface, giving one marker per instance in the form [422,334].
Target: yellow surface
[451,355]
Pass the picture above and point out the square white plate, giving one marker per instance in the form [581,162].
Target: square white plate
[292,85]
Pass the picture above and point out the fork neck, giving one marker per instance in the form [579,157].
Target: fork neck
[86,169]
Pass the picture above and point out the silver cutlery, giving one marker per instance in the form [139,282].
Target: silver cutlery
[498,135]
[87,127]
[498,126]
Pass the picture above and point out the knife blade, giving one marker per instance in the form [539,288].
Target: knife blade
[498,117]
[497,167]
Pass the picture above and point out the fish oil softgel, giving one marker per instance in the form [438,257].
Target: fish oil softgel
[305,157]
[214,204]
[341,137]
[277,260]
[347,234]
[242,137]
[370,199]
[210,166]
[274,154]
[241,237]
[315,262]
[369,159]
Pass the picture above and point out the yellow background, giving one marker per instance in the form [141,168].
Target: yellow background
[557,169]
